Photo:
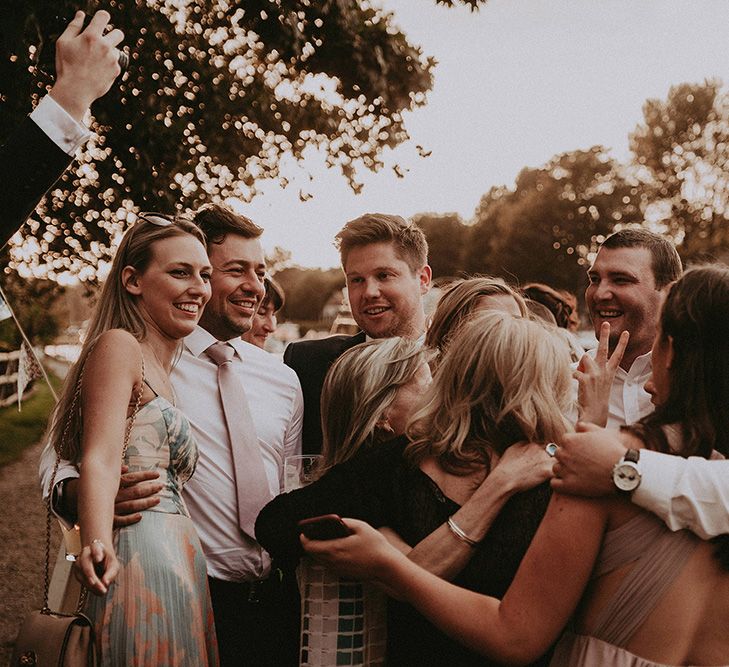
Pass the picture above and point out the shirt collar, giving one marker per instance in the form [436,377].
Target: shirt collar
[201,339]
[640,366]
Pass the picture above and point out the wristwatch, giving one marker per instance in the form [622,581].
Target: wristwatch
[626,473]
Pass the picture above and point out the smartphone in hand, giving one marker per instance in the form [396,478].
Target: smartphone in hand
[325,527]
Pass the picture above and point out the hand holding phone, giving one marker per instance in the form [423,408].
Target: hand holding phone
[325,527]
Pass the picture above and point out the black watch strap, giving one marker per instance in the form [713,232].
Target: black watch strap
[632,455]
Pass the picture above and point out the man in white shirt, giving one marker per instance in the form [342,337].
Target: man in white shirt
[256,610]
[627,287]
[684,493]
[37,152]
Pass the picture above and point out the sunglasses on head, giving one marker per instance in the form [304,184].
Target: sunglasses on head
[158,219]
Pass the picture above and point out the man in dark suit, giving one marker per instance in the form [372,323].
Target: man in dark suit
[385,261]
[38,151]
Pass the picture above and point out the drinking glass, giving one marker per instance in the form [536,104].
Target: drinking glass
[300,470]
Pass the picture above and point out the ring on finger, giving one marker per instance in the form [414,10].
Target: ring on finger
[551,449]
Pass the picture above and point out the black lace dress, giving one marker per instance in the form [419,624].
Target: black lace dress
[380,487]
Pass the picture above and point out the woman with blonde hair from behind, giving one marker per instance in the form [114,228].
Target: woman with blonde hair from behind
[621,587]
[367,397]
[464,298]
[380,382]
[460,494]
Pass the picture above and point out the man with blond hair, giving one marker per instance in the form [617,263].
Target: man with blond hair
[385,262]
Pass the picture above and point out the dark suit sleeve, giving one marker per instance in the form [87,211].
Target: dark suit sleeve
[30,163]
[288,355]
[311,360]
[361,488]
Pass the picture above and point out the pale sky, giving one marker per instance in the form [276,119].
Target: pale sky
[517,82]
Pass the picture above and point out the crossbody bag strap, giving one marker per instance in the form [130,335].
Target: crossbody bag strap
[133,416]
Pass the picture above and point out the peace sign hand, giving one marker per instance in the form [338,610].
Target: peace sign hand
[595,377]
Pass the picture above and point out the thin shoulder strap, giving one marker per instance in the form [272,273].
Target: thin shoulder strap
[144,379]
[151,388]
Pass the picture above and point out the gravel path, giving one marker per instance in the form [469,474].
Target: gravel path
[22,538]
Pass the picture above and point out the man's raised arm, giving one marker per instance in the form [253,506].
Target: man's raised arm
[37,152]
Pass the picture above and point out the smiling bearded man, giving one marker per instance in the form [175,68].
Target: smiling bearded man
[627,287]
[385,261]
[246,412]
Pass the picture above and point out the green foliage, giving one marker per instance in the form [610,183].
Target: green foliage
[546,226]
[216,93]
[681,152]
[307,290]
[25,428]
[473,4]
[33,302]
[447,237]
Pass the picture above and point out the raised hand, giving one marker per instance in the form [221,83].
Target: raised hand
[87,63]
[595,377]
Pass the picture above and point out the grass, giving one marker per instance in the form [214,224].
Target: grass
[19,430]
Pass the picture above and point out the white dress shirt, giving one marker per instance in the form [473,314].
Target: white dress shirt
[276,404]
[688,493]
[60,127]
[629,401]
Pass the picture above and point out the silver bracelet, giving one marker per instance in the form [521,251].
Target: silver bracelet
[456,530]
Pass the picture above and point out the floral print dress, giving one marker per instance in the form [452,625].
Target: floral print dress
[158,611]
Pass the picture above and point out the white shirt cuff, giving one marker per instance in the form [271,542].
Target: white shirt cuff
[658,473]
[60,127]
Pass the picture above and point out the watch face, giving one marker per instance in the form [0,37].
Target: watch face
[626,476]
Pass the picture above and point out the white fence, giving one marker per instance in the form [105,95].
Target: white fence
[9,378]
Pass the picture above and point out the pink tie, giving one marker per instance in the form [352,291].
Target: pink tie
[251,482]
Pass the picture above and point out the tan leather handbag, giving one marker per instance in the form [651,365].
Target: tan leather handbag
[53,638]
[47,638]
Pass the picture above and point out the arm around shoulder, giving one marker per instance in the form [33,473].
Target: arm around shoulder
[688,493]
[351,489]
[541,599]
